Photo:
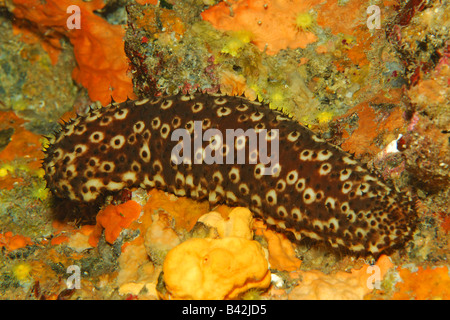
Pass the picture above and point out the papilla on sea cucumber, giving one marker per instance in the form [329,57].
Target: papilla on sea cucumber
[313,191]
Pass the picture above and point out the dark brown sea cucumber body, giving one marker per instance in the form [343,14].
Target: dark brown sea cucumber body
[318,191]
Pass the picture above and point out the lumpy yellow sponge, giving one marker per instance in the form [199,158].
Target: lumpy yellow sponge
[215,268]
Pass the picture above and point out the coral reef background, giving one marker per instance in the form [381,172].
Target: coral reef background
[370,76]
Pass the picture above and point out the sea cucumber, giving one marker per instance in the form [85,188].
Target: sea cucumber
[317,190]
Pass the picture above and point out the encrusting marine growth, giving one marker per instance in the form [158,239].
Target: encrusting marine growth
[314,190]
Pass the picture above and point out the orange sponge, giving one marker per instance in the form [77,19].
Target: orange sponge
[15,242]
[113,219]
[272,23]
[424,284]
[98,45]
